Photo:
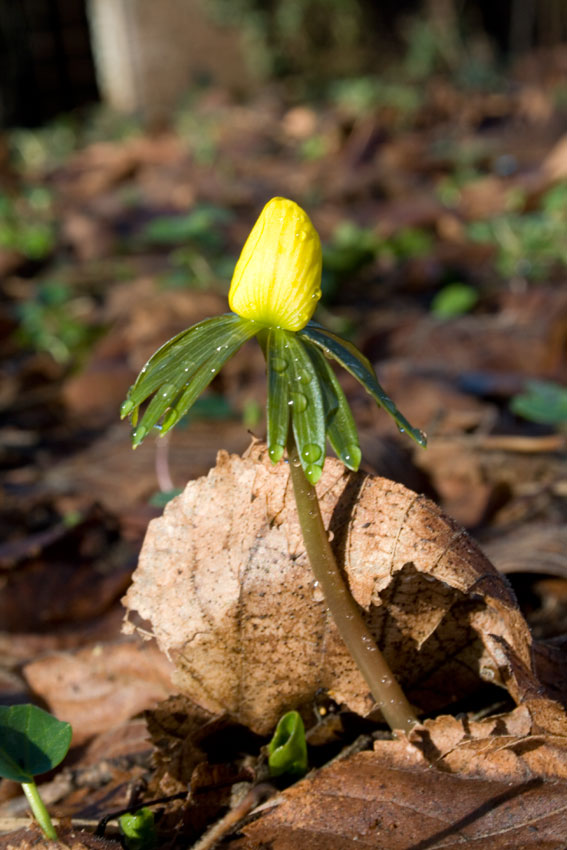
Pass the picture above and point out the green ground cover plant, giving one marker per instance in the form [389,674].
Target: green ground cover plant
[32,742]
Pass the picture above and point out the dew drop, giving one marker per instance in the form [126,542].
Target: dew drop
[168,390]
[313,473]
[318,595]
[139,434]
[311,452]
[303,377]
[275,452]
[316,295]
[126,408]
[302,235]
[401,430]
[299,401]
[278,364]
[351,456]
[170,419]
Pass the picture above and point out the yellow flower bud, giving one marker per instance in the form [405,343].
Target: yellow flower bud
[277,279]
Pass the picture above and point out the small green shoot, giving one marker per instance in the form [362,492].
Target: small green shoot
[544,402]
[138,829]
[32,742]
[287,751]
[455,299]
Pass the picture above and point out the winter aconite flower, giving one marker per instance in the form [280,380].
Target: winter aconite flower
[273,295]
[277,279]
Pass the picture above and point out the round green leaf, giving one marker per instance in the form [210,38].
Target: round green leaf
[31,741]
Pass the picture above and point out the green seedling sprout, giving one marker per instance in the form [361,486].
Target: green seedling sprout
[287,751]
[32,742]
[138,829]
[274,291]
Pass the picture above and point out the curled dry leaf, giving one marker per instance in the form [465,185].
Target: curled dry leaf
[224,581]
[528,743]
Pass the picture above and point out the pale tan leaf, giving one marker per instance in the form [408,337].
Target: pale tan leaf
[98,688]
[224,581]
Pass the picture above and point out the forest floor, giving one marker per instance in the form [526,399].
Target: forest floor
[442,209]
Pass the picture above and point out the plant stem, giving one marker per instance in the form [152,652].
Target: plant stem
[346,613]
[38,808]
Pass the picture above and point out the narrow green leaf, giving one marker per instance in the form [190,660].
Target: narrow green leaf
[32,741]
[306,404]
[339,421]
[360,368]
[173,399]
[287,751]
[277,408]
[181,356]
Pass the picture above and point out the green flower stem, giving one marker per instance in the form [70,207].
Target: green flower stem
[38,808]
[346,613]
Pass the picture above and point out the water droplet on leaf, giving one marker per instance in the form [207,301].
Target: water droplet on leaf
[313,473]
[299,402]
[126,408]
[351,456]
[311,452]
[139,434]
[278,364]
[275,452]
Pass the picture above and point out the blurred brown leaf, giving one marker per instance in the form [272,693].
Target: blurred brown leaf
[100,687]
[224,581]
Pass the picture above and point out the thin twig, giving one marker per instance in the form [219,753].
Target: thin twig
[238,813]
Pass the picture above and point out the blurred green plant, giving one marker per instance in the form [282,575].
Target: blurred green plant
[26,223]
[287,751]
[530,245]
[455,299]
[201,226]
[352,248]
[360,95]
[199,258]
[56,321]
[138,829]
[32,742]
[44,148]
[544,402]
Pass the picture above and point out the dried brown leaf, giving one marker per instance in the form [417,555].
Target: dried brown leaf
[101,687]
[498,782]
[224,581]
[386,799]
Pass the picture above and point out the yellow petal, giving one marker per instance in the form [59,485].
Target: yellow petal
[277,279]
